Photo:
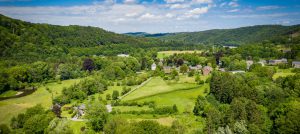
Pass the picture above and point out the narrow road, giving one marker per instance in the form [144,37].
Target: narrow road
[139,86]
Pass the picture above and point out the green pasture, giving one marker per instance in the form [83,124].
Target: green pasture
[131,108]
[156,86]
[184,99]
[77,125]
[13,107]
[8,93]
[163,54]
[283,73]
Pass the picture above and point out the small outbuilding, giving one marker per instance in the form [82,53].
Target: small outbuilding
[296,64]
[249,63]
[153,66]
[123,55]
[167,69]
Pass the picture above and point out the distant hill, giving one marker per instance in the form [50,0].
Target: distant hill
[237,36]
[20,39]
[144,34]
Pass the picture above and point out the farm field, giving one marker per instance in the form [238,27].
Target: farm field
[158,85]
[163,54]
[13,107]
[184,99]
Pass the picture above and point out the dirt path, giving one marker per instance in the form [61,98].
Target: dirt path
[139,86]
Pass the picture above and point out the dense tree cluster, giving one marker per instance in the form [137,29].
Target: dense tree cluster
[119,125]
[81,90]
[34,120]
[250,103]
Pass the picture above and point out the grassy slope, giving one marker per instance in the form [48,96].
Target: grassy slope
[163,54]
[184,99]
[157,85]
[12,107]
[8,93]
[283,73]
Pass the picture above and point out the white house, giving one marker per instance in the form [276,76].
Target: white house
[153,66]
[123,55]
[278,61]
[249,63]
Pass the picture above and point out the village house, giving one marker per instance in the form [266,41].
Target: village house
[278,61]
[153,66]
[123,55]
[249,63]
[196,68]
[80,111]
[167,69]
[230,47]
[296,64]
[206,70]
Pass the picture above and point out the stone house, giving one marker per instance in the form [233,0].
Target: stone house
[206,70]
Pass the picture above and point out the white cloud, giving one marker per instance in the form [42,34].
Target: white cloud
[233,10]
[129,1]
[202,1]
[131,14]
[254,16]
[173,1]
[268,7]
[194,13]
[149,16]
[223,4]
[179,6]
[198,11]
[169,15]
[233,4]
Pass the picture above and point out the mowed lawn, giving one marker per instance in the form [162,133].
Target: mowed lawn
[283,73]
[156,86]
[163,54]
[184,99]
[12,107]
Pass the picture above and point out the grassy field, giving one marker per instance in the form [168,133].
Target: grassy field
[163,54]
[189,121]
[184,99]
[13,107]
[76,126]
[282,73]
[131,108]
[8,93]
[156,86]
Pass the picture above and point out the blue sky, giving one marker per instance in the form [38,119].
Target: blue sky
[155,16]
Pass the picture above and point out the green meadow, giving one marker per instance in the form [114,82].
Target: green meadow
[156,86]
[163,54]
[13,107]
